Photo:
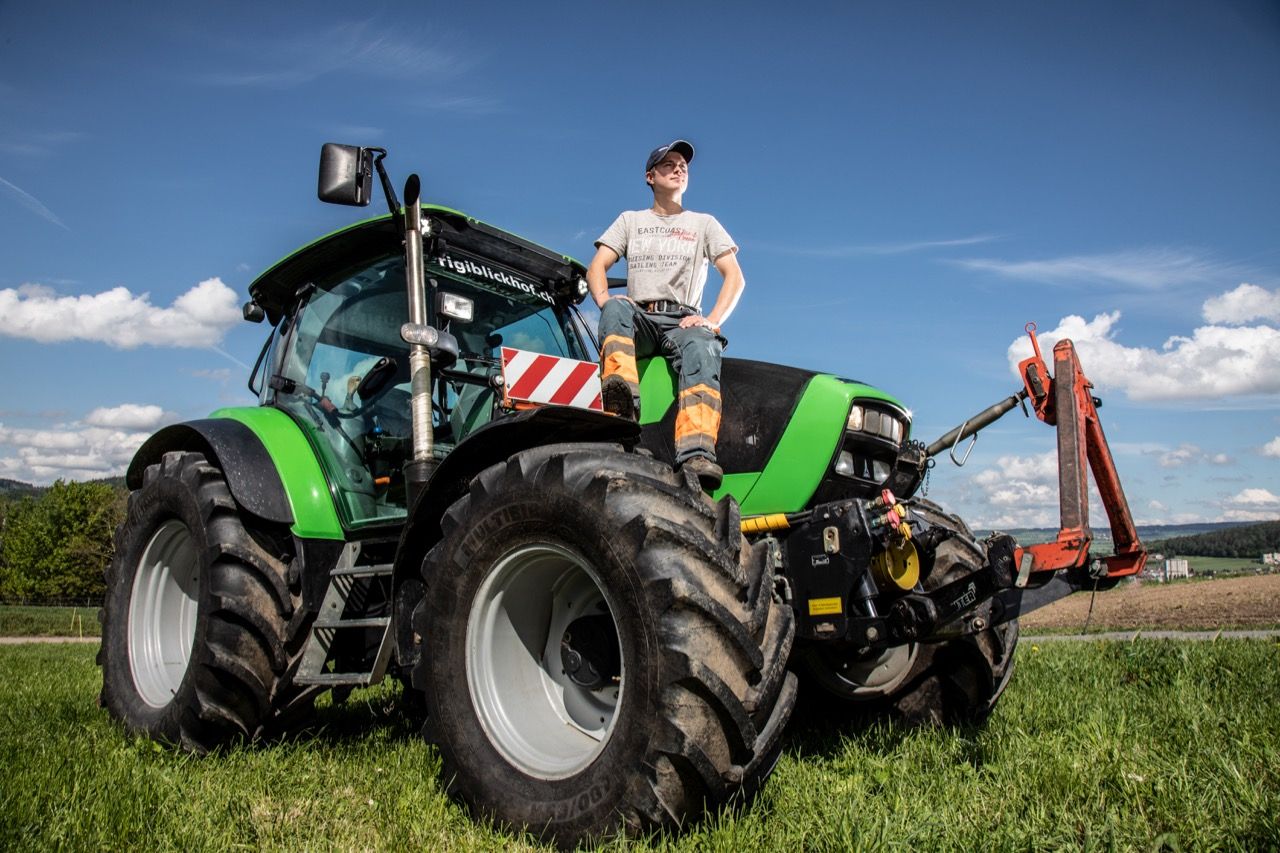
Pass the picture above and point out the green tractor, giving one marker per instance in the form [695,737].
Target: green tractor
[595,645]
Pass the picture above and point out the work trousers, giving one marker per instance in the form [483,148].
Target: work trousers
[628,333]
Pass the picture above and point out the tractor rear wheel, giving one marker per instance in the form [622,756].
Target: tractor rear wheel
[199,622]
[602,649]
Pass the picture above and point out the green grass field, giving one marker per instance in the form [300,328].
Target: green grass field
[23,621]
[1129,746]
[1223,565]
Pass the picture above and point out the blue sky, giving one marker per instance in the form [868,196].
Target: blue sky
[910,183]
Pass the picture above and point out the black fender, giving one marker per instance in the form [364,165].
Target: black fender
[236,449]
[492,443]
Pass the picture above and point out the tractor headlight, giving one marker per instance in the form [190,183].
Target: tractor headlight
[855,419]
[457,307]
[849,464]
[875,423]
[871,423]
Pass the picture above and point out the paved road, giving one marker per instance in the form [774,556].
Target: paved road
[21,641]
[1152,635]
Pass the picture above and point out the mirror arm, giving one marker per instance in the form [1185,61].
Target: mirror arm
[393,203]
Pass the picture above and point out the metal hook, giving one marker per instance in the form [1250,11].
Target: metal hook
[973,439]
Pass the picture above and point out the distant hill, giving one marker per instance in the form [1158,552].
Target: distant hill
[1148,533]
[16,490]
[1248,541]
[113,482]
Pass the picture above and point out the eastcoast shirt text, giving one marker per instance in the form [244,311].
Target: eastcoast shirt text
[667,256]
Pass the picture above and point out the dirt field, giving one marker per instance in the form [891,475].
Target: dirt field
[1244,602]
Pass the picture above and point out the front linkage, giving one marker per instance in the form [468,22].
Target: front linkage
[855,566]
[863,570]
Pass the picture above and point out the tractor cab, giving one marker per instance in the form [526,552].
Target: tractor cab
[336,361]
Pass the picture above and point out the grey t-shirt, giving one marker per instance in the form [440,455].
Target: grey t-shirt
[667,256]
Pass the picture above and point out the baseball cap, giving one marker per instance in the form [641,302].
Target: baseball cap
[680,146]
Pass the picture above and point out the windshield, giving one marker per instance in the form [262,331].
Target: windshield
[350,325]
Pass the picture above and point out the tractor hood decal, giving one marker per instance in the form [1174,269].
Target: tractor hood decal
[486,273]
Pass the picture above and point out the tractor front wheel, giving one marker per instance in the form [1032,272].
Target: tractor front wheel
[961,680]
[199,620]
[957,681]
[602,651]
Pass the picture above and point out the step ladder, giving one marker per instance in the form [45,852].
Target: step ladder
[348,575]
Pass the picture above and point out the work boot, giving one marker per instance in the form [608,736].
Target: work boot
[709,474]
[615,395]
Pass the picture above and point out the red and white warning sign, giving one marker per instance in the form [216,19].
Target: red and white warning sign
[532,377]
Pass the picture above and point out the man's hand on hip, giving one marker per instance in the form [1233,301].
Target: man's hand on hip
[697,320]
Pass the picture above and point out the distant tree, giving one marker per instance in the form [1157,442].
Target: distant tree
[6,581]
[58,545]
[1248,541]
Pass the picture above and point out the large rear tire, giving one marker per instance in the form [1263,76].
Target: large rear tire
[602,651]
[200,623]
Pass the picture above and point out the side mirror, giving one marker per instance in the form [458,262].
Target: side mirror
[346,174]
[377,380]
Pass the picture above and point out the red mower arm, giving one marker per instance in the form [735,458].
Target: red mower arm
[1064,400]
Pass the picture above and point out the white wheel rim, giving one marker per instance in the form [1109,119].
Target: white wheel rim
[865,678]
[162,613]
[539,718]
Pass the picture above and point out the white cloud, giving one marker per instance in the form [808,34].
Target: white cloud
[1214,362]
[1144,269]
[99,445]
[59,438]
[1190,454]
[1185,454]
[77,451]
[1023,491]
[1019,491]
[128,416]
[1245,304]
[1272,447]
[198,318]
[1252,504]
[1254,497]
[1136,448]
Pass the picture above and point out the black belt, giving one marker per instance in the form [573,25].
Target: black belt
[665,306]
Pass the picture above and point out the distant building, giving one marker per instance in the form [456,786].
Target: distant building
[1272,559]
[1153,571]
[1175,568]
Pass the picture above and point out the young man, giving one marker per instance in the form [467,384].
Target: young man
[668,250]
